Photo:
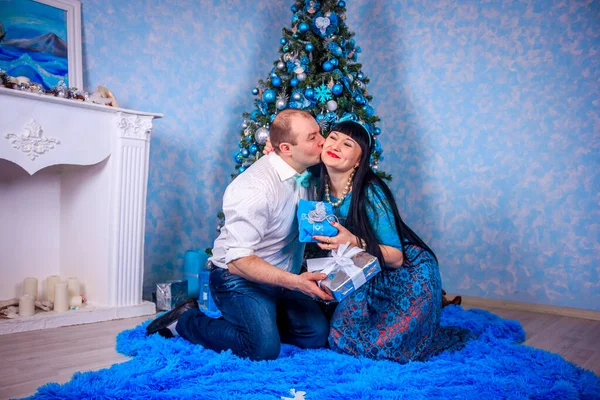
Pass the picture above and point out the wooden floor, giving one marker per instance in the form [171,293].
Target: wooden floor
[32,359]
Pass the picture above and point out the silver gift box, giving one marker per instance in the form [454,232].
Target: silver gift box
[341,284]
[170,293]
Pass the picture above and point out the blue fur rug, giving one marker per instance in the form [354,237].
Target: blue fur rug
[494,366]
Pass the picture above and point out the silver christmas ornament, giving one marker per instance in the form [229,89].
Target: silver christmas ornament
[280,65]
[296,96]
[261,135]
[301,77]
[331,105]
[280,104]
[245,124]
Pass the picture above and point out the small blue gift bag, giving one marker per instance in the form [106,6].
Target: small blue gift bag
[205,301]
[193,262]
[314,219]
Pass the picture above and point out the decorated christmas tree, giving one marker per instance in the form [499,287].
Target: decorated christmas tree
[317,71]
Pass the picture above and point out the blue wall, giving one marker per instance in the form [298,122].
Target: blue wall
[490,112]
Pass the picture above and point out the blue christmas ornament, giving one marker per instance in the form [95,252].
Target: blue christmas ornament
[237,157]
[283,41]
[333,62]
[294,8]
[360,75]
[286,48]
[311,7]
[335,49]
[381,157]
[253,149]
[369,111]
[294,82]
[377,131]
[331,117]
[276,81]
[349,117]
[342,4]
[255,91]
[241,169]
[272,118]
[377,146]
[269,95]
[359,98]
[240,144]
[320,118]
[309,92]
[245,152]
[327,66]
[254,115]
[263,106]
[309,47]
[337,89]
[295,18]
[303,27]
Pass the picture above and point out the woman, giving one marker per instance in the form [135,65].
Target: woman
[395,315]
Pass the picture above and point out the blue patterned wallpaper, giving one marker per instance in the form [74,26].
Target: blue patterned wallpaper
[490,112]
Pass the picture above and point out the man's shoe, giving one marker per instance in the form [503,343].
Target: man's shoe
[168,318]
[166,333]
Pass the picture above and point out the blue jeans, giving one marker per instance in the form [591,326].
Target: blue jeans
[256,319]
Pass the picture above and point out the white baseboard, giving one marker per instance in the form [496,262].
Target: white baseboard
[481,302]
[85,315]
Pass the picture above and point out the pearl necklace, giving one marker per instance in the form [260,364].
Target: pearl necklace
[344,193]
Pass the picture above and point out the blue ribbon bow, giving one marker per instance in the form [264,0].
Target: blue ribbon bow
[303,178]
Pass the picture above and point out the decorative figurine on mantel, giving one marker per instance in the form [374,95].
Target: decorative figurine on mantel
[104,96]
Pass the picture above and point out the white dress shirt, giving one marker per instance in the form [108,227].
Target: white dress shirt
[260,216]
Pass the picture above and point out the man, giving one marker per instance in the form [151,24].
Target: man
[257,257]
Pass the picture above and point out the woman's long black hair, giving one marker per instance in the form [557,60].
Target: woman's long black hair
[364,177]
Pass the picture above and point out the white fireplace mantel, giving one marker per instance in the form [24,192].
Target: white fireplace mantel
[73,180]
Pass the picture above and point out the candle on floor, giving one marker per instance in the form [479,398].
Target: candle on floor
[26,305]
[73,285]
[50,282]
[76,302]
[30,287]
[61,297]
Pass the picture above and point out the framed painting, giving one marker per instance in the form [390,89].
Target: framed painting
[41,39]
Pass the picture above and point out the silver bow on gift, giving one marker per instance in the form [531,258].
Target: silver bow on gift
[317,216]
[340,261]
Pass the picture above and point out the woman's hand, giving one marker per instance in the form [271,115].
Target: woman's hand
[268,147]
[333,243]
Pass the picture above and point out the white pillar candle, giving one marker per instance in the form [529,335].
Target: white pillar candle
[61,297]
[26,305]
[73,285]
[30,287]
[76,301]
[50,282]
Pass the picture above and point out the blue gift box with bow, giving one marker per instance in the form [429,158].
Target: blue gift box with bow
[314,219]
[347,269]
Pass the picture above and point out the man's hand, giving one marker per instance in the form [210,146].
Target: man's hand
[256,269]
[307,284]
